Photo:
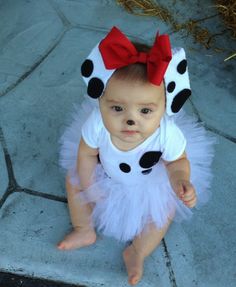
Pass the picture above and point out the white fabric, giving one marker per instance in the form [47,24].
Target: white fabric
[99,70]
[124,205]
[167,139]
[171,74]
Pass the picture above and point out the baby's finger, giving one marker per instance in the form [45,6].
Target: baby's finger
[189,196]
[188,187]
[191,203]
[179,190]
[189,190]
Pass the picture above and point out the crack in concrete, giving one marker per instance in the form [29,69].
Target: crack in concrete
[44,195]
[210,128]
[11,177]
[4,198]
[220,133]
[34,66]
[67,25]
[13,186]
[168,264]
[63,18]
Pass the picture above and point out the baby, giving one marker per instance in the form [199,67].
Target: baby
[130,175]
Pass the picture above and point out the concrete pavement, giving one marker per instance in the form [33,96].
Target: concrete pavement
[42,45]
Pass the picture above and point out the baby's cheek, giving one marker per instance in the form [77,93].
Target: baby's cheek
[150,128]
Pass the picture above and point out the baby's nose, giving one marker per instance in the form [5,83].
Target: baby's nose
[130,122]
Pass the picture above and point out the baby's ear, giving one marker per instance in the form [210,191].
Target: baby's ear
[177,83]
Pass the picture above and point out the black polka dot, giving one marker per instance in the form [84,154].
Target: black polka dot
[180,99]
[125,167]
[95,88]
[171,87]
[147,171]
[182,67]
[149,159]
[87,68]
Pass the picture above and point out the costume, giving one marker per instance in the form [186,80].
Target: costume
[131,188]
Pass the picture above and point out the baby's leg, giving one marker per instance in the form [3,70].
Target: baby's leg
[83,233]
[141,247]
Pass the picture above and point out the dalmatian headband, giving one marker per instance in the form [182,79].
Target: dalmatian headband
[116,51]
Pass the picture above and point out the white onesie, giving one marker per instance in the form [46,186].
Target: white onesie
[167,142]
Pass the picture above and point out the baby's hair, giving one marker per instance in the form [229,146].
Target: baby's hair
[135,72]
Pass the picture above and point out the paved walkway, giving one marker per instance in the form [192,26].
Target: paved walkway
[42,45]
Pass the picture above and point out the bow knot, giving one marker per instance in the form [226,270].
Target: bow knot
[117,51]
[141,57]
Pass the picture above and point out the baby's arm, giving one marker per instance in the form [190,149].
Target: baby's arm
[179,176]
[86,163]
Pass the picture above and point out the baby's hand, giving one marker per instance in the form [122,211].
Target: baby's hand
[186,192]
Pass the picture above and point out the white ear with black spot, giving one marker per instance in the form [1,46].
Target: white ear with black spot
[177,82]
[95,74]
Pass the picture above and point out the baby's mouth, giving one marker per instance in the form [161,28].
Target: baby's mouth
[129,132]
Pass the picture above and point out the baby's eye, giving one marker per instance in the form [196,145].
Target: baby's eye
[146,111]
[117,108]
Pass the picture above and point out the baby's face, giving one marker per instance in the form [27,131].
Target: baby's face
[132,111]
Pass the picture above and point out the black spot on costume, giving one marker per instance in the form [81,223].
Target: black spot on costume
[125,167]
[87,68]
[149,159]
[147,171]
[180,99]
[182,67]
[171,87]
[95,88]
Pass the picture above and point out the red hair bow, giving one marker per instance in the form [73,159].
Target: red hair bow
[117,51]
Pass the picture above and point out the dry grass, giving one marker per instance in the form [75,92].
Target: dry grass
[146,8]
[226,8]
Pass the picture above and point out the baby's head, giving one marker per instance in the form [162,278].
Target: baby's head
[132,107]
[125,76]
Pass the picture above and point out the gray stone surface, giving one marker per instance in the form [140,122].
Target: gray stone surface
[213,84]
[32,227]
[42,45]
[203,250]
[30,30]
[98,15]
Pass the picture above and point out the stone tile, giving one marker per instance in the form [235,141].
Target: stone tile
[203,250]
[32,29]
[102,15]
[213,85]
[34,225]
[36,116]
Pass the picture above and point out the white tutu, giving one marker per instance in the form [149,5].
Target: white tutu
[124,210]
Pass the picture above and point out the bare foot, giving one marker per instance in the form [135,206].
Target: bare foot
[134,264]
[79,237]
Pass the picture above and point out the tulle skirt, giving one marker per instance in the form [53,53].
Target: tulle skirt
[123,210]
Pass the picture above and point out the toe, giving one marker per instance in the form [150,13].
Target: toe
[134,279]
[61,246]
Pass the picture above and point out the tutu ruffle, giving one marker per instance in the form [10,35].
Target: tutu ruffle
[124,210]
